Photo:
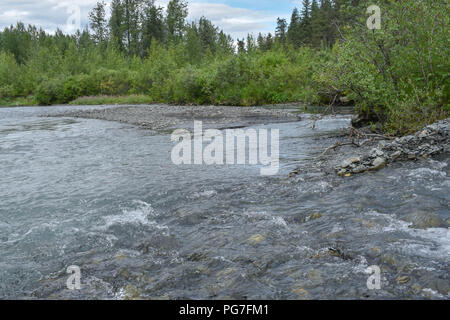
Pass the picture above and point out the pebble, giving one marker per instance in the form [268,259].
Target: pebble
[256,239]
[378,163]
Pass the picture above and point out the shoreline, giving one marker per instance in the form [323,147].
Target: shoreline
[162,117]
[354,151]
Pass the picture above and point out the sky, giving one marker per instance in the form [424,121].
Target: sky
[235,17]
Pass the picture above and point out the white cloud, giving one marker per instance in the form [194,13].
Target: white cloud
[52,14]
[236,21]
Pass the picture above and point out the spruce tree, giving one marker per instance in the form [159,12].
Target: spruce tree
[306,22]
[97,18]
[281,31]
[153,26]
[176,19]
[116,23]
[294,29]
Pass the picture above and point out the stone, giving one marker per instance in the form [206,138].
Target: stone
[120,256]
[315,215]
[315,275]
[378,163]
[360,169]
[403,279]
[388,259]
[416,287]
[347,163]
[374,252]
[447,223]
[256,239]
[301,293]
[423,134]
[429,141]
[376,153]
[443,287]
[424,146]
[132,293]
[423,219]
[396,155]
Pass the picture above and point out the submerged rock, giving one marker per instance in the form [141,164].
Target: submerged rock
[301,293]
[315,215]
[256,239]
[424,219]
[403,279]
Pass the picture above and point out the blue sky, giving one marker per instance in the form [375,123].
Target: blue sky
[235,17]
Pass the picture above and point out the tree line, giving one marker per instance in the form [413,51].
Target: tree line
[134,24]
[325,54]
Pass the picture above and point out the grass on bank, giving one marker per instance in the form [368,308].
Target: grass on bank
[112,100]
[18,102]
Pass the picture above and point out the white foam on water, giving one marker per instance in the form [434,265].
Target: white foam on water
[445,185]
[362,265]
[337,228]
[223,259]
[433,293]
[279,221]
[438,164]
[204,194]
[431,242]
[426,172]
[137,216]
[257,214]
[120,294]
[264,216]
[315,187]
[15,237]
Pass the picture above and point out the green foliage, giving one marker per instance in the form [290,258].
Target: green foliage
[9,76]
[399,74]
[111,100]
[80,85]
[112,82]
[50,92]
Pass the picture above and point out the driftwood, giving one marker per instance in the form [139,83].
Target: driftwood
[351,143]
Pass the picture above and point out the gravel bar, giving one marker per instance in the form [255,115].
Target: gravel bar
[167,117]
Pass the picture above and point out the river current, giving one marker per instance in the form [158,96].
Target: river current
[106,197]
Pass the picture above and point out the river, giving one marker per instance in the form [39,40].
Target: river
[106,197]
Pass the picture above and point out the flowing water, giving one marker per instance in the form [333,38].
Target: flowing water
[106,197]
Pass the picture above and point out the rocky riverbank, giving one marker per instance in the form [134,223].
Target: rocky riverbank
[430,141]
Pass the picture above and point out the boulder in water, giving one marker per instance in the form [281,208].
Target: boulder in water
[423,219]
